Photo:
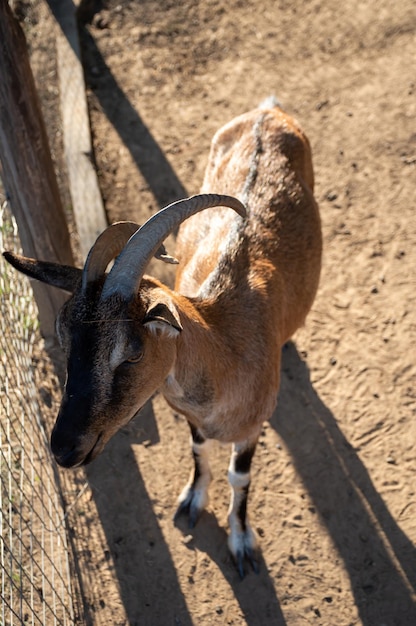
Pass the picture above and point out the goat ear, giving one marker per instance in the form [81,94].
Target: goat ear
[61,276]
[163,316]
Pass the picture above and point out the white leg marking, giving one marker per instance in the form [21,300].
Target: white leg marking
[242,541]
[194,497]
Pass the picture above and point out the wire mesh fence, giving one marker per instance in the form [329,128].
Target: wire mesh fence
[35,561]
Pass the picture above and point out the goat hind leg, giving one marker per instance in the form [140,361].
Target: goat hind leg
[242,540]
[194,497]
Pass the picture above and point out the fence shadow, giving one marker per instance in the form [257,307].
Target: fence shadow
[144,149]
[378,556]
[144,569]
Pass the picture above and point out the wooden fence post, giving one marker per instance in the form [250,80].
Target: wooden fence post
[78,149]
[28,173]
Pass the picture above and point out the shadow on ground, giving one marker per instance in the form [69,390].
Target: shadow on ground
[143,565]
[144,149]
[378,556]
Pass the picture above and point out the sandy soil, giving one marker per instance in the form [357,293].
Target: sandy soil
[333,495]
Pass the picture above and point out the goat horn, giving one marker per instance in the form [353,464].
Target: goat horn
[128,270]
[108,245]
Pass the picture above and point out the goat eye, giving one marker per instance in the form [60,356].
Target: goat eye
[135,359]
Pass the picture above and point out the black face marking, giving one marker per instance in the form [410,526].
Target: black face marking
[96,388]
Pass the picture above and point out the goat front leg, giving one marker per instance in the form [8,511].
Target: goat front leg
[194,497]
[242,540]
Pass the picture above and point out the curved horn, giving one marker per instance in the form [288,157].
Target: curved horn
[108,245]
[130,266]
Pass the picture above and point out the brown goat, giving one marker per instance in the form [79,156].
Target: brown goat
[245,283]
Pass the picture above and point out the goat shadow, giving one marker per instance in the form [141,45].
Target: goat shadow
[255,594]
[378,556]
[143,565]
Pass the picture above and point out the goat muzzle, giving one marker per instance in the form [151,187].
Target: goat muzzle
[72,450]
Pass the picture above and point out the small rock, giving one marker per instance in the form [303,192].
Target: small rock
[322,104]
[187,540]
[101,20]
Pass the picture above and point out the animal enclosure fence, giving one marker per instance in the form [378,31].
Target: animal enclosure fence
[37,581]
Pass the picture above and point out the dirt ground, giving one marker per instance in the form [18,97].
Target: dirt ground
[333,492]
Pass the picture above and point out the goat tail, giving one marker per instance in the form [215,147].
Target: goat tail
[270,103]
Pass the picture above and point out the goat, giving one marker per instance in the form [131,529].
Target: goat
[246,282]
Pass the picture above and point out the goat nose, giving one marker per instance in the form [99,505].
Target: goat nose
[63,448]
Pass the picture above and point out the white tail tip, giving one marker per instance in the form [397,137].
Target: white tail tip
[270,103]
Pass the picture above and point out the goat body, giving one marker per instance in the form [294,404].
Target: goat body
[249,284]
[212,345]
